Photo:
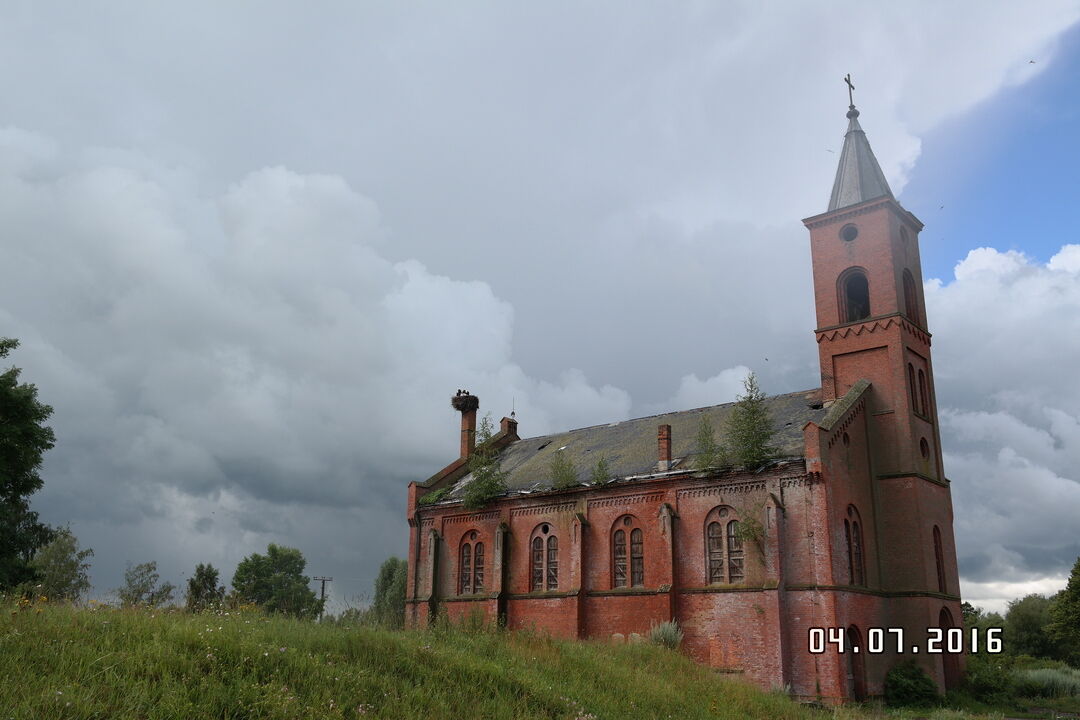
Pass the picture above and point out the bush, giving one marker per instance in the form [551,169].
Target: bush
[563,472]
[989,678]
[908,685]
[667,634]
[1048,683]
[488,479]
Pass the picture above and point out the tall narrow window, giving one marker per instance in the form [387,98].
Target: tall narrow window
[922,393]
[478,567]
[857,554]
[552,563]
[939,559]
[854,539]
[637,558]
[537,564]
[911,384]
[735,552]
[465,586]
[854,295]
[715,542]
[619,555]
[850,552]
[911,304]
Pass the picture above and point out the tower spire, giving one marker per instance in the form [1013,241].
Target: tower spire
[858,177]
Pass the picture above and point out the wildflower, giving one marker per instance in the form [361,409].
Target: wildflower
[281,649]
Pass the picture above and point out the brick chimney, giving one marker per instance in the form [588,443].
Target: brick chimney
[663,438]
[467,405]
[508,427]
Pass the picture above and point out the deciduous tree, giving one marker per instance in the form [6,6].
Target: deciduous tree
[276,582]
[62,569]
[24,438]
[141,587]
[388,607]
[203,590]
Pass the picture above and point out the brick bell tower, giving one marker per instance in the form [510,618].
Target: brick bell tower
[871,325]
[871,320]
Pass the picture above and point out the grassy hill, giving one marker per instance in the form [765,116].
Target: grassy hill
[59,662]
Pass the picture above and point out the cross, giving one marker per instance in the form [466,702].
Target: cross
[850,87]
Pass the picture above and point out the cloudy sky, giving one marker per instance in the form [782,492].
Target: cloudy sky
[251,250]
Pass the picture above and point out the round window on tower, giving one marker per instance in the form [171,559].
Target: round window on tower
[849,232]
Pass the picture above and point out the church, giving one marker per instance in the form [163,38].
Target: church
[852,547]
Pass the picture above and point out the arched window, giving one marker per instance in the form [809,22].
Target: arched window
[537,564]
[723,548]
[856,671]
[545,559]
[854,539]
[922,393]
[911,304]
[465,583]
[715,544]
[911,384]
[471,565]
[853,290]
[627,558]
[552,563]
[939,559]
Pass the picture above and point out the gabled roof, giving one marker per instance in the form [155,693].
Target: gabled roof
[630,446]
[858,177]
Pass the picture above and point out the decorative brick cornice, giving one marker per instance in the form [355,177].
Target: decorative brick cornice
[872,325]
[471,517]
[729,489]
[810,478]
[549,509]
[626,500]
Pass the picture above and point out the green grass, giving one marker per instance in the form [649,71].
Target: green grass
[60,662]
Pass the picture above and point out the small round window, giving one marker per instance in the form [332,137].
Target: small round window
[626,520]
[545,529]
[849,232]
[472,535]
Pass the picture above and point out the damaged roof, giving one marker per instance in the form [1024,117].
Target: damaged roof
[630,447]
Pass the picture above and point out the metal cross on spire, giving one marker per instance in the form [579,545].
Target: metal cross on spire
[850,87]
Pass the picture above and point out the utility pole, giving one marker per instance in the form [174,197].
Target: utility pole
[322,592]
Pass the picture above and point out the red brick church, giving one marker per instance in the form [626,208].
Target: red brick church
[855,513]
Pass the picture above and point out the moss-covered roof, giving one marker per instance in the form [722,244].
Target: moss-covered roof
[630,447]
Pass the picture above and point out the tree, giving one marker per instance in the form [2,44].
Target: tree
[601,473]
[750,427]
[1025,627]
[275,582]
[61,568]
[141,587]
[388,607]
[203,590]
[563,472]
[24,438]
[1064,627]
[710,453]
[488,479]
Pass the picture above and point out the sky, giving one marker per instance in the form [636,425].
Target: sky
[250,250]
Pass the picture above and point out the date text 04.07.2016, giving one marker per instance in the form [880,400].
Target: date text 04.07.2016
[891,640]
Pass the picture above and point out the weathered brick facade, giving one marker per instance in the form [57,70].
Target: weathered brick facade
[856,516]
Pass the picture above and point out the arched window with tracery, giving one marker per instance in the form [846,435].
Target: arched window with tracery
[627,553]
[911,303]
[724,554]
[939,559]
[471,564]
[854,539]
[853,291]
[544,559]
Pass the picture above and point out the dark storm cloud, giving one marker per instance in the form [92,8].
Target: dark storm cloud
[250,253]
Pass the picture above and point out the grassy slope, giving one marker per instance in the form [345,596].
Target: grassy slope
[56,662]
